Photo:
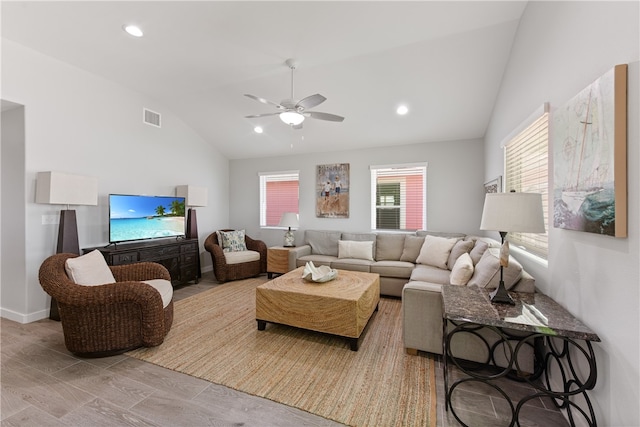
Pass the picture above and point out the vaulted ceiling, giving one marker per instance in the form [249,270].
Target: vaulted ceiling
[443,59]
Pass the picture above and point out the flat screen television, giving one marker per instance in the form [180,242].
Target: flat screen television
[133,217]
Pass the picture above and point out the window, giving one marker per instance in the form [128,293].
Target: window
[278,194]
[526,170]
[399,197]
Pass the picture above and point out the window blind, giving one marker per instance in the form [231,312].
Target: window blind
[527,170]
[278,194]
[398,197]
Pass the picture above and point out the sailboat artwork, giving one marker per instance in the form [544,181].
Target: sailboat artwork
[589,155]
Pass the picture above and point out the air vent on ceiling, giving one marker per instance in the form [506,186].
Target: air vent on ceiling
[151,117]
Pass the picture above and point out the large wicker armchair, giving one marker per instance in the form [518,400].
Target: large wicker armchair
[111,318]
[232,267]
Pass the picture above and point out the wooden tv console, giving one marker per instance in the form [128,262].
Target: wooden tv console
[180,256]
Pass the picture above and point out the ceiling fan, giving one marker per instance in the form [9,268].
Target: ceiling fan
[292,111]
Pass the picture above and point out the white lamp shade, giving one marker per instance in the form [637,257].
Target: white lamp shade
[194,196]
[57,188]
[289,219]
[292,118]
[513,212]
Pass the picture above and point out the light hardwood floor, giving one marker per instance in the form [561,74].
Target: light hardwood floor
[42,384]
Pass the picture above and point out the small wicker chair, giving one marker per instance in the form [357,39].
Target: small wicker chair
[225,272]
[109,319]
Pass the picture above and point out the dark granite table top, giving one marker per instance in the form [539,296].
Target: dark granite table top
[533,312]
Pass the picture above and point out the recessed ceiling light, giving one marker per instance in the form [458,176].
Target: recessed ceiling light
[402,110]
[133,30]
[257,129]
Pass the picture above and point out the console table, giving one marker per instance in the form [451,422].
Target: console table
[180,256]
[535,320]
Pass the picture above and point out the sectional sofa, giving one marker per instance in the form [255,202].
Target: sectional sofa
[415,266]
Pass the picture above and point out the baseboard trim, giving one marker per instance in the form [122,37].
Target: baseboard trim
[24,318]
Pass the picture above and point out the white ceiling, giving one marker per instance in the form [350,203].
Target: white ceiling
[445,60]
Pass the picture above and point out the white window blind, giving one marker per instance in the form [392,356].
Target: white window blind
[527,171]
[278,194]
[399,197]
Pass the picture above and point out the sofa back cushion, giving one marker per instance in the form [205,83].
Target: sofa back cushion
[487,271]
[322,242]
[411,249]
[435,251]
[461,247]
[355,249]
[389,246]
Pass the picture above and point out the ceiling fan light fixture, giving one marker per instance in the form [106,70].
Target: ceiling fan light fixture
[291,118]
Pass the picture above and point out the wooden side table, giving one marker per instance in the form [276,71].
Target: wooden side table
[277,260]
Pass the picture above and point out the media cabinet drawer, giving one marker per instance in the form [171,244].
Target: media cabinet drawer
[189,247]
[162,252]
[124,258]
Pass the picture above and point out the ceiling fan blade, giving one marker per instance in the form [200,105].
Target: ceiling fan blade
[324,116]
[264,101]
[311,101]
[255,116]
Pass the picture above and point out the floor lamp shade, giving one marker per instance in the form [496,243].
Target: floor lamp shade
[58,188]
[511,212]
[194,196]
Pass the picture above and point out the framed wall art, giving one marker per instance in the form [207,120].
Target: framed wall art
[493,186]
[590,158]
[332,191]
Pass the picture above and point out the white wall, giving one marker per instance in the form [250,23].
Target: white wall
[455,191]
[80,123]
[560,48]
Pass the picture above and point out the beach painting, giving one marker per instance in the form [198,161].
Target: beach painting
[332,191]
[589,156]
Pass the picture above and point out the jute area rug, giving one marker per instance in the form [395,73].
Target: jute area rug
[215,337]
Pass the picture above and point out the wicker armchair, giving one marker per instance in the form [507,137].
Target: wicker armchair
[225,272]
[109,319]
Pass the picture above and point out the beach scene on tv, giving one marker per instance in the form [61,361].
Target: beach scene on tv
[145,217]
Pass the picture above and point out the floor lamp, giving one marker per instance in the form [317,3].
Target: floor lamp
[193,196]
[511,212]
[57,188]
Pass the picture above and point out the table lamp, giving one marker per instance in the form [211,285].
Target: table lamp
[289,219]
[193,196]
[510,212]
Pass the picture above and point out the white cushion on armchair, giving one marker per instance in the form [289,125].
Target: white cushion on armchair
[240,257]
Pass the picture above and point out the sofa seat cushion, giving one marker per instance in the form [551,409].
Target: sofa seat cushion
[352,264]
[316,259]
[389,246]
[240,257]
[165,289]
[428,273]
[401,269]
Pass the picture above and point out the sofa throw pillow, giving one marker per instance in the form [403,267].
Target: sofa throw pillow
[487,271]
[461,247]
[233,241]
[412,246]
[478,250]
[89,270]
[462,270]
[435,251]
[353,249]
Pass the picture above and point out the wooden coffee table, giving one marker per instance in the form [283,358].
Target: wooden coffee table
[342,306]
